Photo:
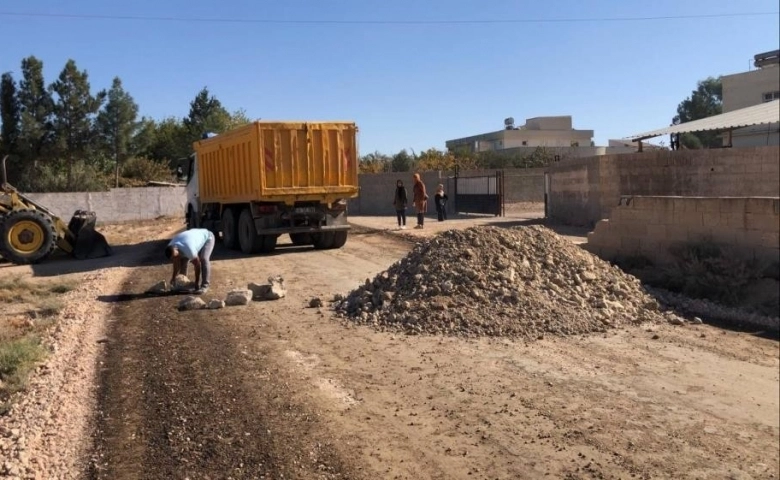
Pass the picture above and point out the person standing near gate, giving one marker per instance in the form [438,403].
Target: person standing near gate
[400,200]
[194,245]
[440,199]
[420,200]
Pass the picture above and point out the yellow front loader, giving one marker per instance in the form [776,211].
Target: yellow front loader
[29,232]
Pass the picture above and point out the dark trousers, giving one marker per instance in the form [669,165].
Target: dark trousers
[401,215]
[441,211]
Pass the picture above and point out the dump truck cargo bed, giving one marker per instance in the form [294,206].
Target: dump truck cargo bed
[279,162]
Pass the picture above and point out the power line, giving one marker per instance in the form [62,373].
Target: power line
[383,22]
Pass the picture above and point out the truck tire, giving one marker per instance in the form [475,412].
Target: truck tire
[268,243]
[300,238]
[248,238]
[322,240]
[229,229]
[339,239]
[27,236]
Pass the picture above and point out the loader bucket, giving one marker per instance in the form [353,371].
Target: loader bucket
[86,242]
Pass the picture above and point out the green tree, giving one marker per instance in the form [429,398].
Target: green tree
[35,133]
[705,101]
[206,115]
[166,141]
[402,162]
[10,114]
[116,124]
[74,110]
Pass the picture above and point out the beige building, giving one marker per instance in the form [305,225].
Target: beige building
[751,88]
[553,133]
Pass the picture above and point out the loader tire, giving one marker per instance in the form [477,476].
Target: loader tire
[27,236]
[230,229]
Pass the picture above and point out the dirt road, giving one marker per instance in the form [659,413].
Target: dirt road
[279,390]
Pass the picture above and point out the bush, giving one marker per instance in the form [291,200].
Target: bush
[138,171]
[54,178]
[711,271]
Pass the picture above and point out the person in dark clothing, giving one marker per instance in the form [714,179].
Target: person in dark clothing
[400,200]
[440,199]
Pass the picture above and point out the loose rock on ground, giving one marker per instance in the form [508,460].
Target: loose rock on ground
[490,281]
[273,290]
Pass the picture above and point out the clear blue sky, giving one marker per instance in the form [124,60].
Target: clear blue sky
[405,85]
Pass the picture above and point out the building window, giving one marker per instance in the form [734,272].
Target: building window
[769,96]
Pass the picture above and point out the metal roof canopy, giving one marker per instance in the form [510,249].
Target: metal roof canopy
[761,114]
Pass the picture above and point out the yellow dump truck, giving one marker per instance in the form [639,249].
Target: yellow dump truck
[266,179]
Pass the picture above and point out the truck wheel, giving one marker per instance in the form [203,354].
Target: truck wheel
[300,238]
[268,243]
[26,236]
[322,240]
[229,229]
[248,238]
[339,239]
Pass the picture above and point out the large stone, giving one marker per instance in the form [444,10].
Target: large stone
[238,297]
[273,290]
[216,304]
[278,290]
[159,287]
[181,282]
[191,303]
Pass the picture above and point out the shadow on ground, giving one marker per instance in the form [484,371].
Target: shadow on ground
[60,263]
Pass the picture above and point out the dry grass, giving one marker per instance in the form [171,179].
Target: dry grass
[21,350]
[17,359]
[40,295]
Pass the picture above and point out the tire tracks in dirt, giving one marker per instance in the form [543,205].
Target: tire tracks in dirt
[173,404]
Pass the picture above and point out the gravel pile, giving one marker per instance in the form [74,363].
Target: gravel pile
[490,281]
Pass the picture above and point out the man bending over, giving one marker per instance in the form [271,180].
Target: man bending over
[194,245]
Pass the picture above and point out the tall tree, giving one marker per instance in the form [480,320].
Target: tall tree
[705,101]
[36,111]
[10,114]
[165,141]
[116,123]
[74,111]
[206,115]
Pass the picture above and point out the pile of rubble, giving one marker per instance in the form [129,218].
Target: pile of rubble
[273,290]
[489,281]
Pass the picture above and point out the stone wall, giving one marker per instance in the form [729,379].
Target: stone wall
[648,226]
[118,204]
[584,191]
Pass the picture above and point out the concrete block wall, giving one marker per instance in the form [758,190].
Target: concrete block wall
[377,189]
[118,204]
[648,226]
[585,191]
